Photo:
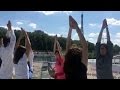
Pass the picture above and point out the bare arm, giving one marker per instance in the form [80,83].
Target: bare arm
[104,25]
[9,26]
[81,37]
[9,30]
[68,43]
[74,25]
[84,46]
[27,42]
[108,34]
[19,39]
[10,33]
[57,46]
[100,36]
[109,43]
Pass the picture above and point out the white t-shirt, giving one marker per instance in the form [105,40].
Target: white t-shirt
[21,69]
[6,55]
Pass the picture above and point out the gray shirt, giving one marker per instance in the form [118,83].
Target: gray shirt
[104,63]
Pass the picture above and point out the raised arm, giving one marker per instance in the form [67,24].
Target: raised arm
[84,46]
[100,36]
[82,40]
[10,33]
[68,43]
[104,25]
[55,44]
[9,30]
[19,39]
[81,37]
[109,43]
[27,42]
[9,26]
[108,34]
[80,34]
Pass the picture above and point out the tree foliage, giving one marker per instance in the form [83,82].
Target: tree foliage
[41,41]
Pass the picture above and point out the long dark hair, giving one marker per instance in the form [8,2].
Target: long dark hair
[73,67]
[6,41]
[19,52]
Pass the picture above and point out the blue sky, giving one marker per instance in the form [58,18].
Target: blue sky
[56,22]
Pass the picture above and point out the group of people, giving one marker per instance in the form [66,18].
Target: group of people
[73,65]
[14,56]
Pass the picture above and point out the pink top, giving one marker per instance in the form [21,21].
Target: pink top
[59,73]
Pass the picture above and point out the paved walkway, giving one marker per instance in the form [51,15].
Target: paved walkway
[37,70]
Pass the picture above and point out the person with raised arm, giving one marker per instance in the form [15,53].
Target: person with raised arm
[59,62]
[76,59]
[6,55]
[22,56]
[104,55]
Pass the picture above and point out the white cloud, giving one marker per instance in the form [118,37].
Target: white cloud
[67,12]
[79,25]
[17,28]
[92,25]
[93,35]
[104,35]
[52,34]
[113,21]
[33,25]
[48,12]
[75,36]
[19,23]
[117,35]
[4,26]
[54,12]
[116,41]
[13,27]
[95,25]
[92,40]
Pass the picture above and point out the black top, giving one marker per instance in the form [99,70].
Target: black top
[104,63]
[79,72]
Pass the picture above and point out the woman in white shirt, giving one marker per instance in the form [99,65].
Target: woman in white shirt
[6,53]
[21,57]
